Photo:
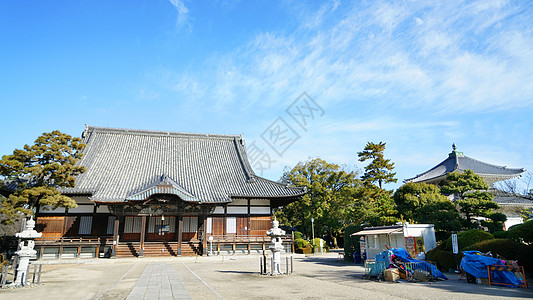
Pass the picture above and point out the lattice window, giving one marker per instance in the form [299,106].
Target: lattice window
[132,225]
[190,224]
[110,225]
[86,223]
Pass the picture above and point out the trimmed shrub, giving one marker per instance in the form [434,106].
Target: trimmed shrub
[500,235]
[507,249]
[469,237]
[522,232]
[306,250]
[445,260]
[351,244]
[300,243]
[442,254]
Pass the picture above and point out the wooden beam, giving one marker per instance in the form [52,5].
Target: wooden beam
[204,236]
[143,232]
[115,237]
[180,233]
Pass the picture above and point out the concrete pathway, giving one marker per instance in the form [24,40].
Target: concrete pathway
[158,281]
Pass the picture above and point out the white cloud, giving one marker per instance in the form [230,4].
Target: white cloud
[182,10]
[443,57]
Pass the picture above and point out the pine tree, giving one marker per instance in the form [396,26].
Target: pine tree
[380,169]
[424,203]
[474,199]
[31,177]
[375,205]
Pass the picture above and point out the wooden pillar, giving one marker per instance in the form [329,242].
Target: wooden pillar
[204,236]
[248,222]
[115,237]
[225,220]
[292,242]
[143,232]
[180,233]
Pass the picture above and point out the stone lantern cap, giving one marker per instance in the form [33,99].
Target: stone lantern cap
[29,232]
[275,231]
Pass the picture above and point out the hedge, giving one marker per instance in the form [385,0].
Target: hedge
[467,238]
[507,249]
[443,255]
[522,232]
[351,244]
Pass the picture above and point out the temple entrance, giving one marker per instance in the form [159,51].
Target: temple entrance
[161,228]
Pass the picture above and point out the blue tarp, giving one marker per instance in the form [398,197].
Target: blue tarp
[383,261]
[475,263]
[419,264]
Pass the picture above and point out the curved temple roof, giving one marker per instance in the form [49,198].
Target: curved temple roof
[131,165]
[457,161]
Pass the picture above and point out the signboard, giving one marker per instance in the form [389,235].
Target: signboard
[410,245]
[163,229]
[455,244]
[362,248]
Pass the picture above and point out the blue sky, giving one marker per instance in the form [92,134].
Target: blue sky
[417,75]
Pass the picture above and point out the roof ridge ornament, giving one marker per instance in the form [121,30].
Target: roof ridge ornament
[85,131]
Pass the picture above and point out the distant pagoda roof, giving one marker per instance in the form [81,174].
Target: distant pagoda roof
[459,162]
[124,165]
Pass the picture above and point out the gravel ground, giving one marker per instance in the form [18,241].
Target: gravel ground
[237,277]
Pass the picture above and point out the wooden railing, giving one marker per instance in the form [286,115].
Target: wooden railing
[246,238]
[232,243]
[71,240]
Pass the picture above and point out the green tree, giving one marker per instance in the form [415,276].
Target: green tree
[473,198]
[380,169]
[424,203]
[31,177]
[375,205]
[328,199]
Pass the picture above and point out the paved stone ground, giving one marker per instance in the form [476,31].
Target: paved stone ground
[158,281]
[316,277]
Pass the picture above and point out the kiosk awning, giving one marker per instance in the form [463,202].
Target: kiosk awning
[375,231]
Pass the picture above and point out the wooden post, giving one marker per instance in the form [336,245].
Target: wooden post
[204,236]
[115,238]
[143,232]
[292,242]
[180,233]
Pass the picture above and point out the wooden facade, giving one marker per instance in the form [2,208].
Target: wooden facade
[153,193]
[94,234]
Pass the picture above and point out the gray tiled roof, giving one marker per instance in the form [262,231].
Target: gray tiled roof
[457,161]
[128,164]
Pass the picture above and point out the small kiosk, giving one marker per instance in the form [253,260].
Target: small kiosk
[415,238]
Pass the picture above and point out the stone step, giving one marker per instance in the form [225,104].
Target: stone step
[151,249]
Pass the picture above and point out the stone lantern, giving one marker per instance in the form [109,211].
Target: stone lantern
[276,246]
[25,251]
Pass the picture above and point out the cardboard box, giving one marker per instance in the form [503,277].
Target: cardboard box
[392,274]
[484,281]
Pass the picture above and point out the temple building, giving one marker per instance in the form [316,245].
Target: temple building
[154,193]
[510,204]
[459,162]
